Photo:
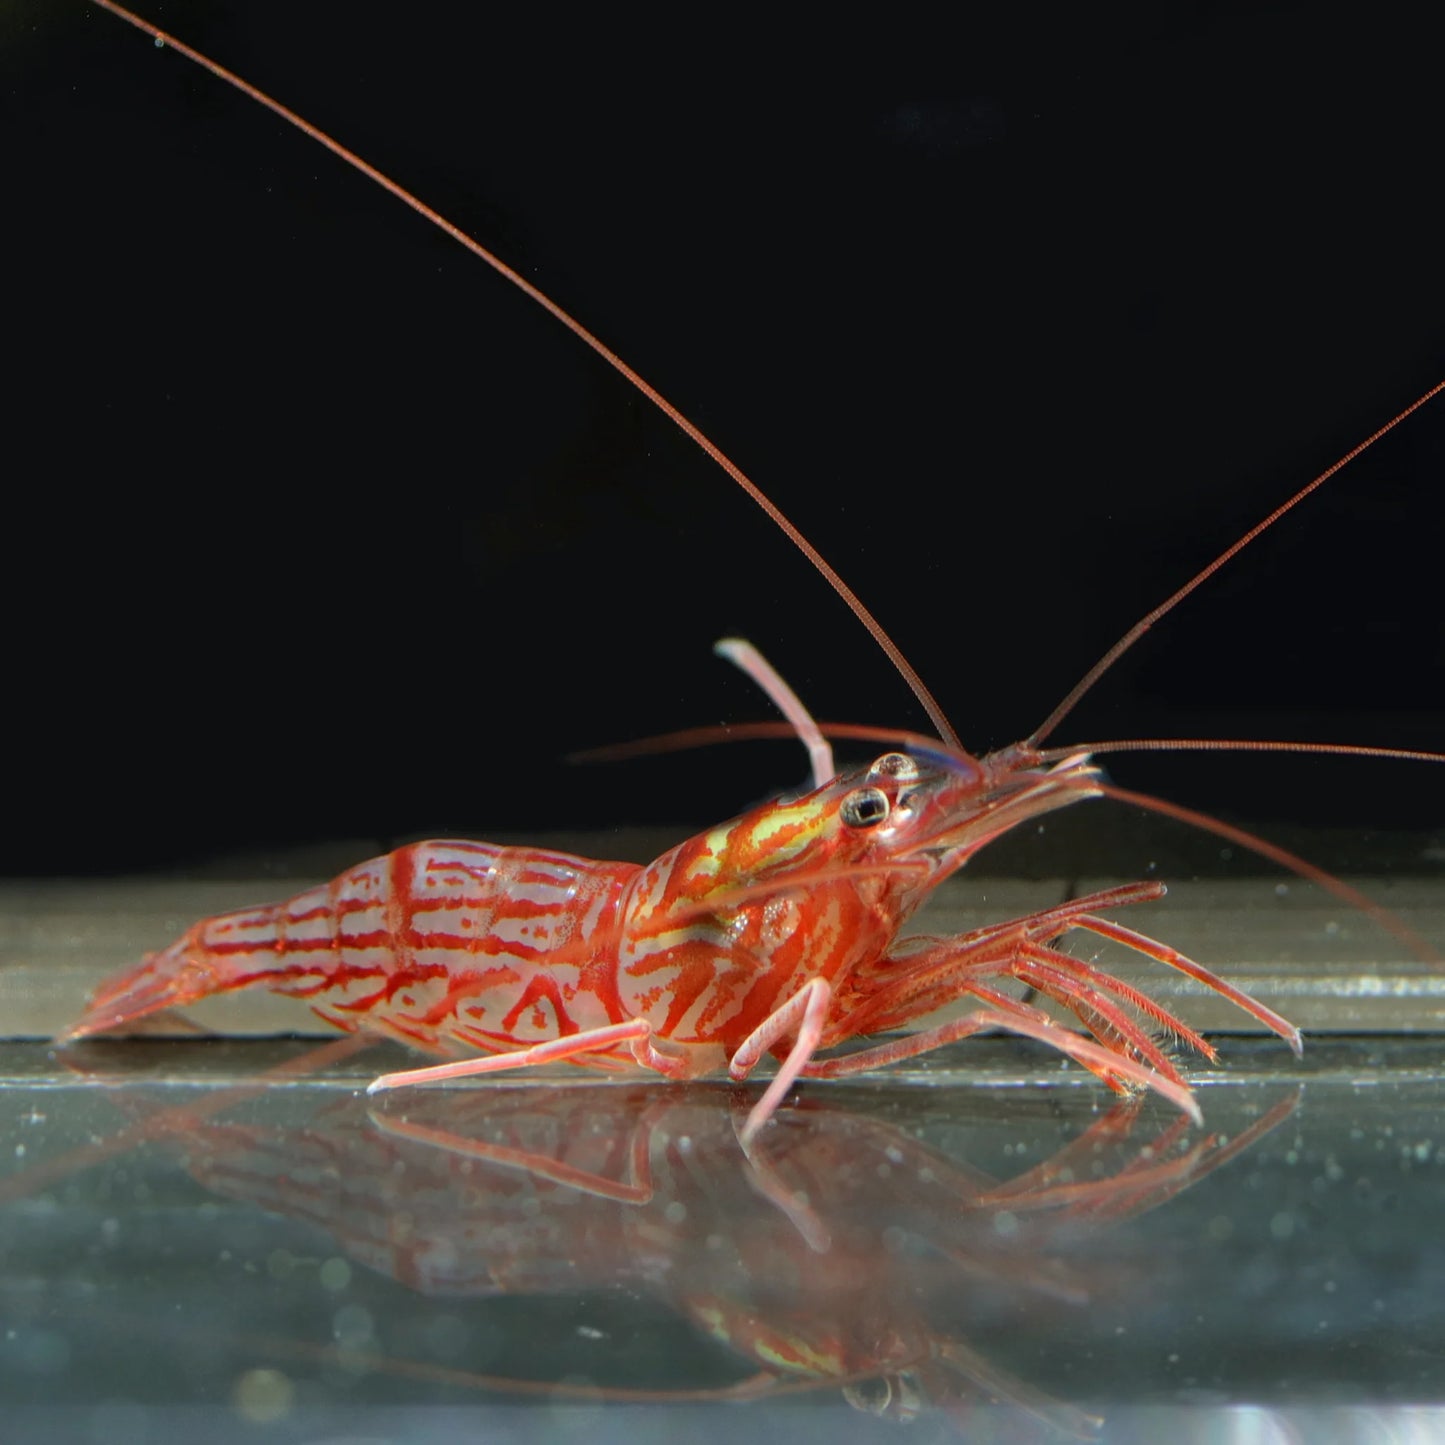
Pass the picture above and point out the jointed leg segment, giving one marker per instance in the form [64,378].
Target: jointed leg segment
[634,1034]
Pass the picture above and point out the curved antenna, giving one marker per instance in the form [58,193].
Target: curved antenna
[394,188]
[1137,631]
[1300,867]
[708,734]
[1237,745]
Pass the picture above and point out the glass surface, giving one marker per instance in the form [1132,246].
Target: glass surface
[231,1241]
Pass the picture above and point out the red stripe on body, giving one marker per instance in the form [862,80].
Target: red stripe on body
[398,906]
[320,911]
[541,986]
[471,987]
[275,979]
[293,946]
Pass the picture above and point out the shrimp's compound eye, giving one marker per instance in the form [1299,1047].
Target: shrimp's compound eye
[897,1398]
[864,808]
[874,1396]
[895,765]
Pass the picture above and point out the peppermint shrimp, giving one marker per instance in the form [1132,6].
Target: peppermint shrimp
[870,845]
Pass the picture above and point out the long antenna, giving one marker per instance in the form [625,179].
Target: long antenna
[1234,745]
[315,133]
[1137,631]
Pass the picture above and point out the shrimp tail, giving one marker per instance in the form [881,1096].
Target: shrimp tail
[184,973]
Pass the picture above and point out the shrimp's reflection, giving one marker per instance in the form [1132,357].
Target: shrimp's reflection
[864,1251]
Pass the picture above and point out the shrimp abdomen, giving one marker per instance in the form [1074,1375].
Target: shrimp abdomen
[441,943]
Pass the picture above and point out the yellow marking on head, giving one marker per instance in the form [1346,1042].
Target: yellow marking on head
[708,862]
[795,1355]
[804,819]
[730,852]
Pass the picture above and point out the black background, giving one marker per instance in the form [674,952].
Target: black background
[314,528]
